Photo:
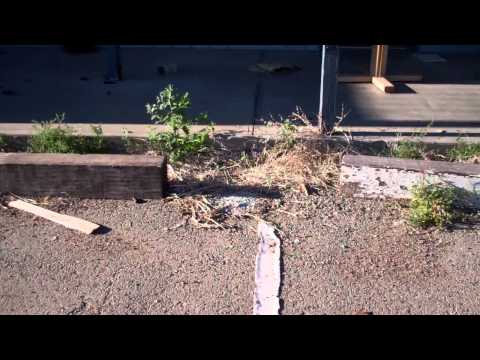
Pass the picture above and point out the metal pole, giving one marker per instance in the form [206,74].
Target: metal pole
[328,87]
[114,65]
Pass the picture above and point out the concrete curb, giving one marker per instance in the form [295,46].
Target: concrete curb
[384,177]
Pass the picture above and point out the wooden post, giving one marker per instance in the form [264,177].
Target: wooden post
[328,87]
[378,63]
[378,68]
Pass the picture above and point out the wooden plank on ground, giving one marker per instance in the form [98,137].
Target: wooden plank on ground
[85,176]
[385,177]
[70,222]
[383,84]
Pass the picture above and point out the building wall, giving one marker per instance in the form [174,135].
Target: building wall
[238,47]
[449,48]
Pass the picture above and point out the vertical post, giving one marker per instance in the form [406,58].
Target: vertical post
[328,87]
[114,64]
[378,63]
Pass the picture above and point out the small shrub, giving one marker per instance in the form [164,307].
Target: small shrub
[92,144]
[463,151]
[53,139]
[287,133]
[433,204]
[128,142]
[54,136]
[406,149]
[290,126]
[178,142]
[3,142]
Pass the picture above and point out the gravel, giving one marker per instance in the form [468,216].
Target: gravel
[339,256]
[349,256]
[138,267]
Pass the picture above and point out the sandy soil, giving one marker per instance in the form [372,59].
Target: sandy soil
[340,256]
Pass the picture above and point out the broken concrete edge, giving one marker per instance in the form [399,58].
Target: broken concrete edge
[141,130]
[84,176]
[383,177]
[427,166]
[235,136]
[114,133]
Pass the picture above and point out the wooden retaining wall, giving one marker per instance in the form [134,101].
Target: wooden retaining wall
[85,176]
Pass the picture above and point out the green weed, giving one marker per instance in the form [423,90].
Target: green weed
[463,151]
[54,136]
[3,142]
[407,149]
[178,141]
[433,205]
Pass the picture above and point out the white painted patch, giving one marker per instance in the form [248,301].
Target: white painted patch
[267,272]
[237,204]
[395,183]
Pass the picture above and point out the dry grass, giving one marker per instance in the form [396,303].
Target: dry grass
[306,166]
[302,166]
[200,211]
[294,162]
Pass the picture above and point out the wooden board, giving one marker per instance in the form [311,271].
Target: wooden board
[85,176]
[70,222]
[383,84]
[367,78]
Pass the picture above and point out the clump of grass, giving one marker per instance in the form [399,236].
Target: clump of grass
[54,136]
[3,142]
[287,133]
[298,166]
[130,144]
[463,151]
[295,163]
[289,127]
[433,205]
[411,149]
[178,141]
[92,144]
[407,149]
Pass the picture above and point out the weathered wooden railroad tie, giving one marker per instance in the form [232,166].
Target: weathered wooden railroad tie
[84,176]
